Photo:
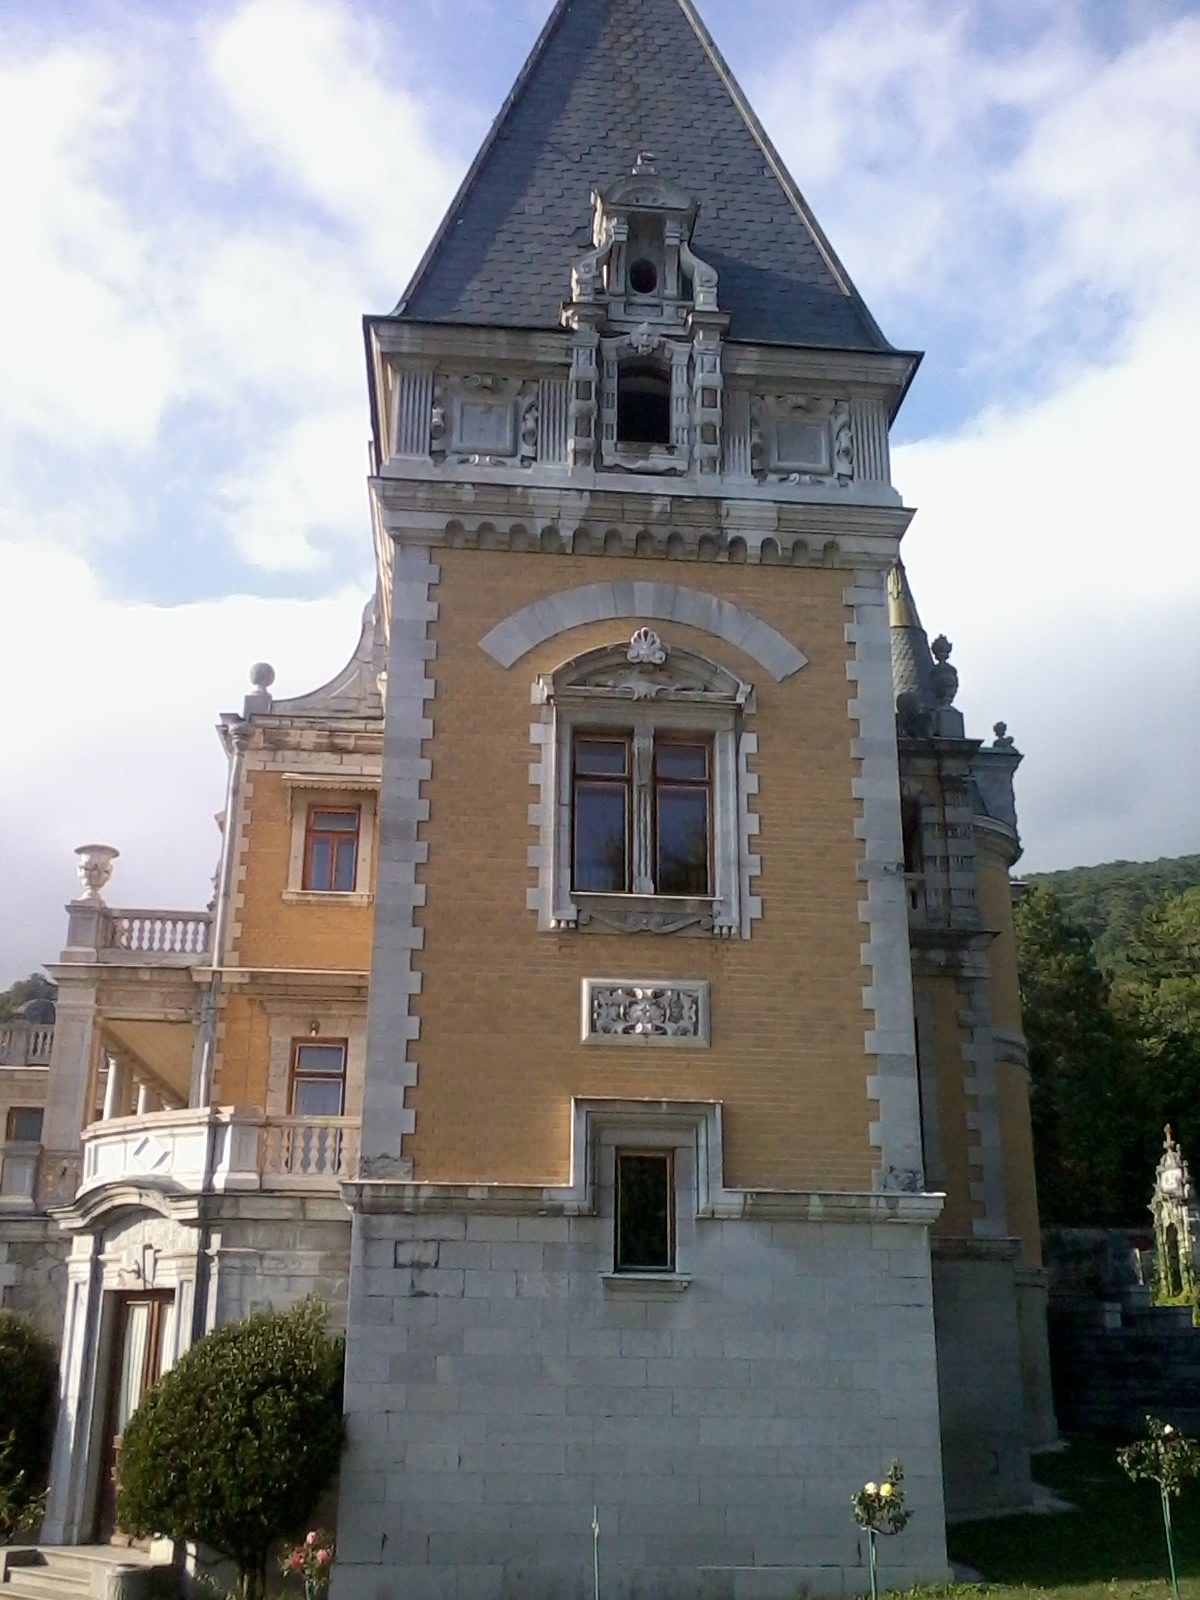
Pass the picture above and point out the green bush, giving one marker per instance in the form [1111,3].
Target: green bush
[28,1385]
[235,1445]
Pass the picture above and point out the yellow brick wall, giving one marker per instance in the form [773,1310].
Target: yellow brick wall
[953,1103]
[274,932]
[994,894]
[243,1054]
[1020,1183]
[499,1052]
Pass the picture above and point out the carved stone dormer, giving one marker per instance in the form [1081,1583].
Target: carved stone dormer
[644,308]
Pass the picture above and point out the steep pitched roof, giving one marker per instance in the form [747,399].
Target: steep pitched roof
[912,662]
[606,79]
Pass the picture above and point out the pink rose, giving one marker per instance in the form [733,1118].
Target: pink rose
[296,1560]
[322,1558]
[310,1539]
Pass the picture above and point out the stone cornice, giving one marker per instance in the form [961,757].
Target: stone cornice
[960,1248]
[849,371]
[562,520]
[739,499]
[751,1205]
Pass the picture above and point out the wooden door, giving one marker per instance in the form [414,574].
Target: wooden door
[141,1341]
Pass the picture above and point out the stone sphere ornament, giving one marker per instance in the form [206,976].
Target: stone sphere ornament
[262,676]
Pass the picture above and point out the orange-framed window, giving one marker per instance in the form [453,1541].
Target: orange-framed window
[318,1078]
[331,848]
[24,1124]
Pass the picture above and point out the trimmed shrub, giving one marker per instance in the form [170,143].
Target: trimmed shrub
[28,1388]
[235,1445]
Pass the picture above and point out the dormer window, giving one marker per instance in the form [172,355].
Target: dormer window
[643,276]
[643,404]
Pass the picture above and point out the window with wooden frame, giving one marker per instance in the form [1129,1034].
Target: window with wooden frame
[641,814]
[24,1125]
[318,1078]
[644,1212]
[331,849]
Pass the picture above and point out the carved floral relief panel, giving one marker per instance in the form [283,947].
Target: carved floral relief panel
[645,1011]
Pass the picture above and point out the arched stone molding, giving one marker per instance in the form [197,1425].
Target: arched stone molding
[524,630]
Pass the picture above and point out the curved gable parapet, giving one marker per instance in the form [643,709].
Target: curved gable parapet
[355,690]
[524,630]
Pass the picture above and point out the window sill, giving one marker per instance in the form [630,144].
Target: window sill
[646,1282]
[335,897]
[648,913]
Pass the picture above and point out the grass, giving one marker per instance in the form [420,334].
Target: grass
[1109,1548]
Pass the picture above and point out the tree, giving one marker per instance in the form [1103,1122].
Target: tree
[35,987]
[237,1442]
[1160,998]
[1086,1100]
[28,1385]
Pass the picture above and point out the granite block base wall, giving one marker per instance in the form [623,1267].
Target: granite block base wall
[33,1273]
[981,1385]
[501,1382]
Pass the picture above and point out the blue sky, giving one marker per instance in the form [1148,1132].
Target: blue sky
[202,199]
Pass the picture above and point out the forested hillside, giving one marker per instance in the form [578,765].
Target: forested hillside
[1110,900]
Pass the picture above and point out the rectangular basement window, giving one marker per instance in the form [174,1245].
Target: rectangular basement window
[645,1211]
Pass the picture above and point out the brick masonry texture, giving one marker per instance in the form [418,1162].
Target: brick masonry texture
[498,1386]
[498,1055]
[616,77]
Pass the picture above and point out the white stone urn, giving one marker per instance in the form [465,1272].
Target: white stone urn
[95,868]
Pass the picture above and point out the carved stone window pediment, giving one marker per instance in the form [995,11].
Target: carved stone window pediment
[643,670]
[639,693]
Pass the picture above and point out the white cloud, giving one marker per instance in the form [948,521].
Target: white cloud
[110,707]
[84,353]
[309,82]
[210,224]
[1054,546]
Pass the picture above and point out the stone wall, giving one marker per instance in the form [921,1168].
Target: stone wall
[501,1381]
[980,1383]
[33,1274]
[269,1251]
[1115,1357]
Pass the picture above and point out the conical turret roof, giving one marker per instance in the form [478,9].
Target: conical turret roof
[607,79]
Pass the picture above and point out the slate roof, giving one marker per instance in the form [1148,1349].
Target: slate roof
[606,79]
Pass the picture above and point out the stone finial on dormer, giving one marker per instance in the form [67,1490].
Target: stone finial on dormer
[1004,740]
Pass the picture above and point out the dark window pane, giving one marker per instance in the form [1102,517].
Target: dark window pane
[345,850]
[682,761]
[329,1059]
[682,841]
[601,758]
[320,863]
[645,1214]
[335,821]
[25,1123]
[600,833]
[317,1097]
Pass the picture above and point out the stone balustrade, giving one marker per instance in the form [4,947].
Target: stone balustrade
[25,1044]
[138,937]
[18,1174]
[308,1152]
[220,1149]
